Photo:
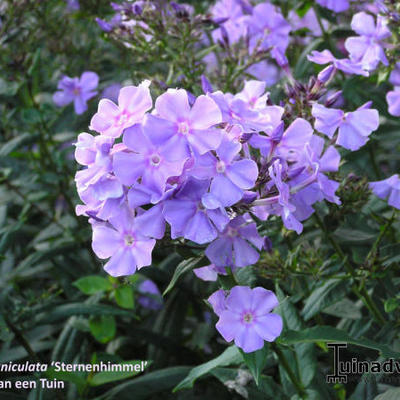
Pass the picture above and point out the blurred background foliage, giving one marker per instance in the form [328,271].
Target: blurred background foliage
[56,302]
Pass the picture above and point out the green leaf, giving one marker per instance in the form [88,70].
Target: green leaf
[304,352]
[103,377]
[330,334]
[392,304]
[323,296]
[344,308]
[16,143]
[8,88]
[391,394]
[303,8]
[93,284]
[184,267]
[73,377]
[67,310]
[124,297]
[143,387]
[103,328]
[230,356]
[256,361]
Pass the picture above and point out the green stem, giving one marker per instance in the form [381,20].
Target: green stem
[21,339]
[372,157]
[362,292]
[372,254]
[285,364]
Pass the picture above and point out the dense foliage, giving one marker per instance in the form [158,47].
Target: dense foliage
[294,195]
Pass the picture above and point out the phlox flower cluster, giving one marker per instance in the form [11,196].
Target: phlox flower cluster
[203,167]
[263,26]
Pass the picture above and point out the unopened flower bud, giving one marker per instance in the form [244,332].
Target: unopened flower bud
[206,85]
[277,133]
[331,100]
[327,74]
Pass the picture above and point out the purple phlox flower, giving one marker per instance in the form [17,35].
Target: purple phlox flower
[206,85]
[345,65]
[102,195]
[150,297]
[189,218]
[265,71]
[209,273]
[284,208]
[393,99]
[147,161]
[120,241]
[288,143]
[354,127]
[236,111]
[388,189]
[368,47]
[236,245]
[180,128]
[308,21]
[97,187]
[394,78]
[94,152]
[230,176]
[217,301]
[151,222]
[280,204]
[72,5]
[76,90]
[310,183]
[104,25]
[133,102]
[268,26]
[229,14]
[111,92]
[245,109]
[247,317]
[335,5]
[254,94]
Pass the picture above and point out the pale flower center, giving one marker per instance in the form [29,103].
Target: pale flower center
[77,91]
[248,318]
[200,207]
[155,160]
[183,128]
[129,240]
[221,167]
[122,119]
[231,232]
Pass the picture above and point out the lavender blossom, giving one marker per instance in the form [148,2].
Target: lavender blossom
[368,48]
[245,317]
[354,127]
[335,5]
[76,90]
[133,102]
[345,65]
[388,189]
[150,297]
[393,99]
[268,27]
[236,245]
[126,248]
